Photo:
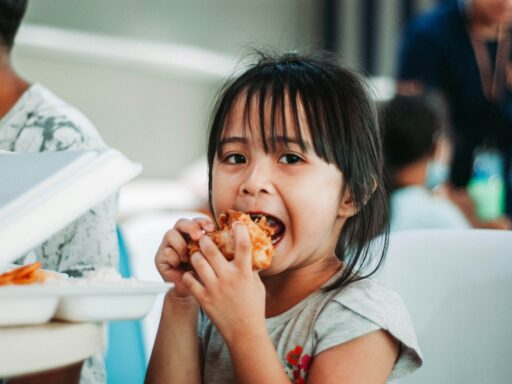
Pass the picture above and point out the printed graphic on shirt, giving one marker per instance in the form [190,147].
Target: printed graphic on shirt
[297,365]
[47,133]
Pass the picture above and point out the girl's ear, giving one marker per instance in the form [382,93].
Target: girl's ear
[348,207]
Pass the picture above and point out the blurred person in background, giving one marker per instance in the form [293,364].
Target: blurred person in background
[33,119]
[411,126]
[463,49]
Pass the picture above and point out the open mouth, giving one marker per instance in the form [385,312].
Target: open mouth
[273,222]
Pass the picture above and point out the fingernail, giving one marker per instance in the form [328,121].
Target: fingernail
[194,256]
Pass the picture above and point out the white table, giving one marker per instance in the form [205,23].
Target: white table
[29,349]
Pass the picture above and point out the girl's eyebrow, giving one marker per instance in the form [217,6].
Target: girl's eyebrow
[233,139]
[290,140]
[280,139]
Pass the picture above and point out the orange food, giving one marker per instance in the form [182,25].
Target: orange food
[259,232]
[26,274]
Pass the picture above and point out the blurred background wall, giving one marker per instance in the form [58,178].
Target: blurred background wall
[146,72]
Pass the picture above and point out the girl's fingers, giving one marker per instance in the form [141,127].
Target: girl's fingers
[171,257]
[183,230]
[243,246]
[174,276]
[213,255]
[195,228]
[193,285]
[175,240]
[167,261]
[205,223]
[203,269]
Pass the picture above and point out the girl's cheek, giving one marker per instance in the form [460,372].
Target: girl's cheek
[220,199]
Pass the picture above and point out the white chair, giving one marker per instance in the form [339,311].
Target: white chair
[457,286]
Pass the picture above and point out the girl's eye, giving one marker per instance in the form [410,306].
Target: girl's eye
[235,158]
[290,158]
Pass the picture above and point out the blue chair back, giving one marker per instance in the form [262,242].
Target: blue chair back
[125,360]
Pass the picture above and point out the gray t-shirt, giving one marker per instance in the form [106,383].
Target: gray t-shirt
[40,122]
[319,322]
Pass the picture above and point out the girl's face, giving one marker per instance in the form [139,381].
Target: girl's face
[293,187]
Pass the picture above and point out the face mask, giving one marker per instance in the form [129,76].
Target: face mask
[437,174]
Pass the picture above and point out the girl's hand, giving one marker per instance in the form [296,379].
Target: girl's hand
[172,259]
[230,292]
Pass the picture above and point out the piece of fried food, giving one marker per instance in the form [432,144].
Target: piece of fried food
[259,232]
[26,274]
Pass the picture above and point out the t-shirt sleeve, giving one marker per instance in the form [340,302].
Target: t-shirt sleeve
[49,124]
[57,127]
[337,325]
[364,307]
[202,321]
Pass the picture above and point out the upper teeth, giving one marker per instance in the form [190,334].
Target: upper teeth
[256,218]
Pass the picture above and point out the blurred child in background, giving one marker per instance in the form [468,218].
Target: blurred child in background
[463,49]
[411,126]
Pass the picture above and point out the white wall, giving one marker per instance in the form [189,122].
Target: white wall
[146,72]
[220,25]
[155,113]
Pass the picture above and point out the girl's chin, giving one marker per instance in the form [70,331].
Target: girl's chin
[273,270]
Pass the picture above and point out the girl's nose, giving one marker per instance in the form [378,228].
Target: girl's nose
[256,181]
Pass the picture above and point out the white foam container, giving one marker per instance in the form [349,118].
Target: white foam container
[29,304]
[123,300]
[77,300]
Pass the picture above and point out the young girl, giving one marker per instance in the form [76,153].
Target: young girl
[295,139]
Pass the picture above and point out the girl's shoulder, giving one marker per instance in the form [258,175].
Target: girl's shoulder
[371,298]
[371,301]
[362,307]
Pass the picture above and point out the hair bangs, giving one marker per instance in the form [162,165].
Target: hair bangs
[272,110]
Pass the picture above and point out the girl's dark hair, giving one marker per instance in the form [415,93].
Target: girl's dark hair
[11,14]
[410,126]
[342,120]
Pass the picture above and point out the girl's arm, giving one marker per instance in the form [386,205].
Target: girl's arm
[176,355]
[366,359]
[255,359]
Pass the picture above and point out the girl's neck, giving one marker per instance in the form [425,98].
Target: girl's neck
[292,286]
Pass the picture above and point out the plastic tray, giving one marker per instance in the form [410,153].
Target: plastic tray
[77,300]
[108,301]
[28,304]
